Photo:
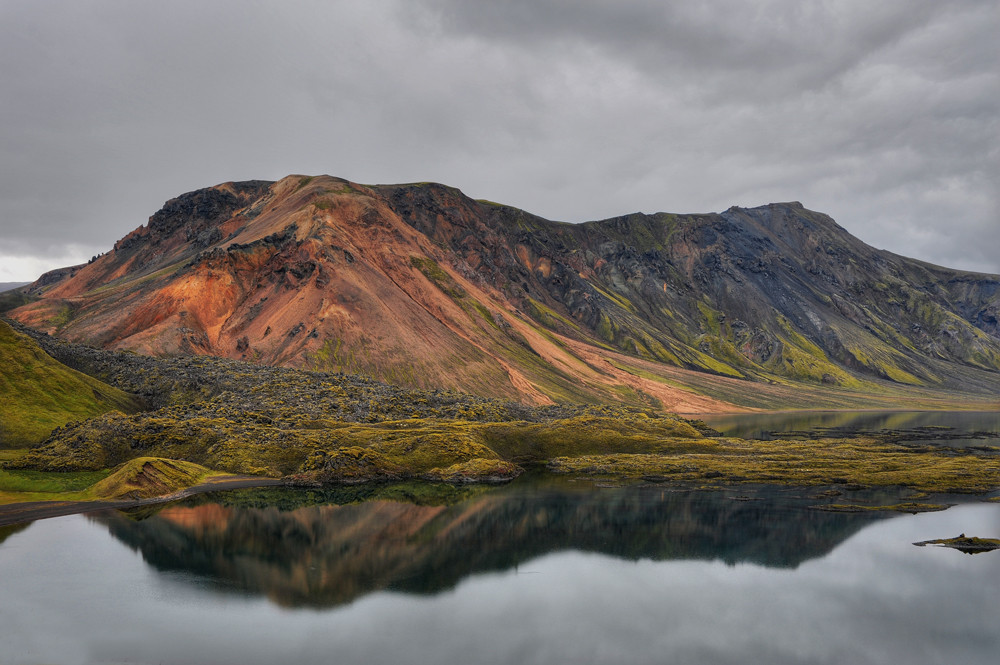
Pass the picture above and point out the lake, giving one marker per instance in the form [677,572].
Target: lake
[539,571]
[953,428]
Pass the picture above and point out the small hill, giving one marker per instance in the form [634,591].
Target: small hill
[38,393]
[148,477]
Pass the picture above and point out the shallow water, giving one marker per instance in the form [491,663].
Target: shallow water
[952,428]
[535,572]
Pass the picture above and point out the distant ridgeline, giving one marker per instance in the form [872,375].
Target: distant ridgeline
[420,286]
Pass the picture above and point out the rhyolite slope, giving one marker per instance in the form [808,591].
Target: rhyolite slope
[422,286]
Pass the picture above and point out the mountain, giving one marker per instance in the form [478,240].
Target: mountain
[422,286]
[9,286]
[38,393]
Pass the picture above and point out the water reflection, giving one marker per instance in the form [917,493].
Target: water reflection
[330,554]
[74,595]
[9,530]
[953,428]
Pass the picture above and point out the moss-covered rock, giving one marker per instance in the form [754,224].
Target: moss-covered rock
[476,470]
[348,466]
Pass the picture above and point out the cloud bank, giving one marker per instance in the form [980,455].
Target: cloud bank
[884,116]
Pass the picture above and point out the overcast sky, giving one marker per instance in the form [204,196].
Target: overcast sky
[882,114]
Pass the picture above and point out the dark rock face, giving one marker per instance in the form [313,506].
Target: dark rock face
[205,205]
[198,213]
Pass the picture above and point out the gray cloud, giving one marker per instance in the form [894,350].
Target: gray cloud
[884,116]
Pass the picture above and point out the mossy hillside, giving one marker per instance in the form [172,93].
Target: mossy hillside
[590,433]
[140,478]
[38,393]
[261,420]
[324,450]
[322,427]
[148,477]
[629,446]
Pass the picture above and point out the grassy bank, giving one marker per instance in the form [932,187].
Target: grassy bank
[37,393]
[140,478]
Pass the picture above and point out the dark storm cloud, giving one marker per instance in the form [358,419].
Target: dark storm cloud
[883,115]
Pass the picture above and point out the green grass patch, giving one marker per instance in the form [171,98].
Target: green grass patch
[441,279]
[547,316]
[38,394]
[28,480]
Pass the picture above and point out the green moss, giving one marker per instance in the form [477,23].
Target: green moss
[859,461]
[967,544]
[710,318]
[38,394]
[29,480]
[547,316]
[616,299]
[801,360]
[437,275]
[147,477]
[486,315]
[352,464]
[709,363]
[61,318]
[605,328]
[333,356]
[881,362]
[476,470]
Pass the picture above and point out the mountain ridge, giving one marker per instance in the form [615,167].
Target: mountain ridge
[420,285]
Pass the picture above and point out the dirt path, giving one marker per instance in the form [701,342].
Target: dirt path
[29,511]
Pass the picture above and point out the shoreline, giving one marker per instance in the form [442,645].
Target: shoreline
[30,511]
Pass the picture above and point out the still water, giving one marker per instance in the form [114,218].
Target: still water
[952,428]
[534,572]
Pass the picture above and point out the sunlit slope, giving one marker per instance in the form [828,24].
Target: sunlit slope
[37,393]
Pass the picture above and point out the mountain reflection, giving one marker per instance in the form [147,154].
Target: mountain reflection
[326,555]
